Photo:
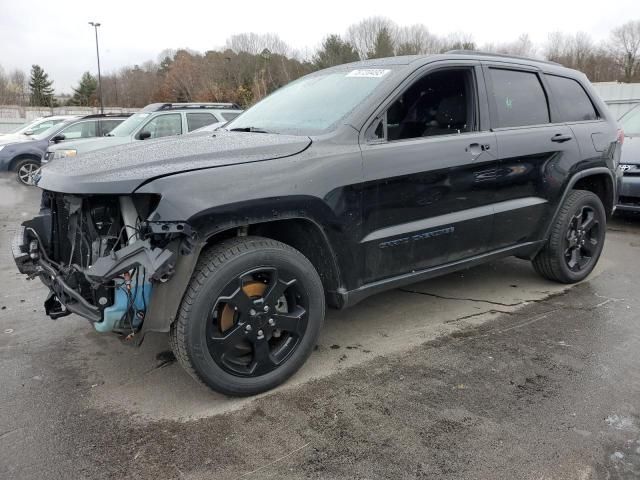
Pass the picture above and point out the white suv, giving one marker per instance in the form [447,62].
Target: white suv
[153,121]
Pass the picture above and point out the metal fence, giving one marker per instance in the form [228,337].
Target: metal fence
[620,97]
[13,116]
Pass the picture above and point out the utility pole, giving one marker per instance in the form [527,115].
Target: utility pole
[95,26]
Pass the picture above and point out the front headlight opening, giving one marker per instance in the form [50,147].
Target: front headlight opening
[65,153]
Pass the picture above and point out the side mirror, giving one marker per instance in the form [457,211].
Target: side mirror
[144,135]
[29,132]
[58,138]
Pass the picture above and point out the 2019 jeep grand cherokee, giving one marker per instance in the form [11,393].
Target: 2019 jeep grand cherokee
[346,182]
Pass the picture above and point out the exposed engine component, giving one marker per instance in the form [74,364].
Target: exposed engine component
[99,258]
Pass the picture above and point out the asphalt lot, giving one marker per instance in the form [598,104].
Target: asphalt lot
[489,373]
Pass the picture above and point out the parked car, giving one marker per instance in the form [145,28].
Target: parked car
[34,127]
[24,156]
[209,128]
[153,121]
[342,184]
[630,161]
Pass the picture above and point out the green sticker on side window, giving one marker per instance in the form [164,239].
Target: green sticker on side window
[508,102]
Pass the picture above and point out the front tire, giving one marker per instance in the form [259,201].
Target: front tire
[576,240]
[250,317]
[25,168]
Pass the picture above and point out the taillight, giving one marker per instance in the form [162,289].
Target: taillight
[620,136]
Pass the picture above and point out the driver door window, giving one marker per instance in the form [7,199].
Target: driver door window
[80,130]
[164,126]
[437,104]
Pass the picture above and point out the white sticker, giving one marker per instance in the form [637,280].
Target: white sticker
[369,73]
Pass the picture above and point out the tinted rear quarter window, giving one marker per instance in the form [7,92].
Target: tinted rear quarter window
[198,120]
[518,98]
[228,116]
[108,125]
[572,102]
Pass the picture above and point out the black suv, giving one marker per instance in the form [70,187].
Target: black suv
[347,182]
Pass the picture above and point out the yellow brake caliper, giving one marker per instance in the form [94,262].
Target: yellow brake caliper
[228,317]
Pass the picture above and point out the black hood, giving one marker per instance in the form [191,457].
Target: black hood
[124,168]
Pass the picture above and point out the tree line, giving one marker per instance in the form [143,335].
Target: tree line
[252,65]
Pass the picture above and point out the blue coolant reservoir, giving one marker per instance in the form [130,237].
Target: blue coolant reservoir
[112,314]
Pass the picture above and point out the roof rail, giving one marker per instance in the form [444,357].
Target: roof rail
[106,115]
[502,55]
[197,105]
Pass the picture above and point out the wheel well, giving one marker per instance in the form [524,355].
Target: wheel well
[602,186]
[14,162]
[303,235]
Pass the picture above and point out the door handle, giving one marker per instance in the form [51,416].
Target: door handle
[559,138]
[476,149]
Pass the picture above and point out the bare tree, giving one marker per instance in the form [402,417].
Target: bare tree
[522,46]
[416,40]
[581,53]
[363,35]
[458,41]
[13,88]
[625,45]
[256,43]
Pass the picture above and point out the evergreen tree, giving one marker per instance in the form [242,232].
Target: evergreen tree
[334,51]
[84,95]
[40,88]
[383,45]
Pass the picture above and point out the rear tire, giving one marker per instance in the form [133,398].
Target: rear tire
[576,240]
[250,316]
[25,168]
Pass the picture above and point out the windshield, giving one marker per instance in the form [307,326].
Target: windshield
[631,123]
[30,126]
[48,132]
[312,104]
[127,127]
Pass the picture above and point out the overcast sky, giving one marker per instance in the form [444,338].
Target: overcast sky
[56,35]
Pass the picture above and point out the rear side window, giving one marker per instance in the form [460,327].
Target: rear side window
[518,98]
[199,120]
[572,101]
[228,116]
[108,125]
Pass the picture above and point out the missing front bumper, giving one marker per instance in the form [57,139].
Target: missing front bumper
[28,249]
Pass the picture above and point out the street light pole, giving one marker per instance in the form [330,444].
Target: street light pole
[95,26]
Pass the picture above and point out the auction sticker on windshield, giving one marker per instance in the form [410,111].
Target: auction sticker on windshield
[369,72]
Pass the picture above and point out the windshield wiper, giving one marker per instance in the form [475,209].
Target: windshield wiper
[249,129]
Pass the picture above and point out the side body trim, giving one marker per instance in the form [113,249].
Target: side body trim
[453,218]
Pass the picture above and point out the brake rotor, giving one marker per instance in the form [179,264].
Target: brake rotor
[227,318]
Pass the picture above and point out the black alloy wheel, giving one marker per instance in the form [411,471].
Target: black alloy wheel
[257,322]
[250,316]
[582,239]
[576,239]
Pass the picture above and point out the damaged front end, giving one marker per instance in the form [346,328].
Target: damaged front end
[100,256]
